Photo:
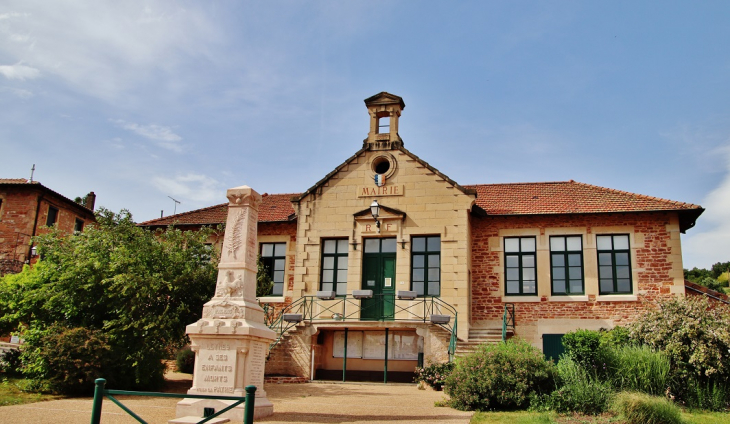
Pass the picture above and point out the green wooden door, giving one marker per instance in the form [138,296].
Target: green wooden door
[378,275]
[552,346]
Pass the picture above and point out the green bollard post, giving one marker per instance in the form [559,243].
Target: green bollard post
[98,398]
[250,401]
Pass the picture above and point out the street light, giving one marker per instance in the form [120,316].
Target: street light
[375,211]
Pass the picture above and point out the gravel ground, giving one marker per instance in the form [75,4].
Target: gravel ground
[293,403]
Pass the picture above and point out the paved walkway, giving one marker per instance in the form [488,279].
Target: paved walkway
[293,403]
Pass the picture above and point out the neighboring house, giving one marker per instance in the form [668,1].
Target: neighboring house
[534,260]
[26,209]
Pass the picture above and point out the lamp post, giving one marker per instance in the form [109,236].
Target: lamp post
[375,210]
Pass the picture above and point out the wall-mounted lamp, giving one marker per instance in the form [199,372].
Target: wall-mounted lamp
[375,210]
[354,244]
[403,244]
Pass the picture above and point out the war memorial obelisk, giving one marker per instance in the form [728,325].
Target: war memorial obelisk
[231,340]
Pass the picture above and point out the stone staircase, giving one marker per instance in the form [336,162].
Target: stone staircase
[478,336]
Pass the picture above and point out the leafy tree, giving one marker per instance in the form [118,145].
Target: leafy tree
[264,283]
[719,268]
[133,289]
[696,275]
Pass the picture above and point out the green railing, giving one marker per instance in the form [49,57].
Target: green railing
[100,392]
[349,308]
[508,319]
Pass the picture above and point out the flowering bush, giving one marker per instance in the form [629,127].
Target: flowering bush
[499,376]
[434,375]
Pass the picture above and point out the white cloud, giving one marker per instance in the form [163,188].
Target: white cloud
[19,72]
[710,242]
[104,49]
[19,92]
[163,136]
[197,188]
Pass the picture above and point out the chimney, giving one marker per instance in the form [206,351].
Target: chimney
[90,201]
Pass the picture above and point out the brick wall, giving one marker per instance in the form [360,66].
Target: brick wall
[656,265]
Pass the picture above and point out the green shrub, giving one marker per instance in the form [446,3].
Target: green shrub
[67,360]
[616,337]
[710,395]
[584,347]
[640,408]
[638,368]
[578,391]
[185,360]
[435,374]
[695,335]
[10,364]
[499,377]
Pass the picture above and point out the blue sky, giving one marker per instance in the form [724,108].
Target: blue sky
[140,100]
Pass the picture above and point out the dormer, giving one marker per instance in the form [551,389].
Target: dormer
[384,110]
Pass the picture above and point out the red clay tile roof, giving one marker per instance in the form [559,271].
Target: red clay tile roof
[16,181]
[562,197]
[566,197]
[273,208]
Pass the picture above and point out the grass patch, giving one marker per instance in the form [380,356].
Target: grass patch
[524,417]
[14,391]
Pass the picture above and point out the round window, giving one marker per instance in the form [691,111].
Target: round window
[381,165]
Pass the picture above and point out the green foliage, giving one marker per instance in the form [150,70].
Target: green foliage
[709,395]
[68,360]
[640,408]
[711,284]
[264,283]
[719,268]
[136,288]
[696,339]
[584,347]
[696,275]
[695,336]
[579,391]
[499,376]
[185,360]
[615,337]
[435,374]
[10,364]
[638,368]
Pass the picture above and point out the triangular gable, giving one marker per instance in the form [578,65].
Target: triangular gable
[320,183]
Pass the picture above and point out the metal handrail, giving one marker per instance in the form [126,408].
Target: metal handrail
[508,319]
[100,392]
[349,308]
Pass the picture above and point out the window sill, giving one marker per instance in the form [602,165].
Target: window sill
[271,299]
[578,298]
[617,298]
[518,299]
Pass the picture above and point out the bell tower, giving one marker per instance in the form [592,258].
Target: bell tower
[384,110]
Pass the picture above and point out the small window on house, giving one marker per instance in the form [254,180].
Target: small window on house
[334,266]
[273,257]
[426,265]
[614,264]
[520,266]
[79,225]
[52,216]
[566,265]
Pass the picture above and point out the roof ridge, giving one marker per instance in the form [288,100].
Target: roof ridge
[519,183]
[638,195]
[184,213]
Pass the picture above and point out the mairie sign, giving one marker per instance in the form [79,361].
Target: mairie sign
[389,190]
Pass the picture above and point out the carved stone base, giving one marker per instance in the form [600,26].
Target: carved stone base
[194,407]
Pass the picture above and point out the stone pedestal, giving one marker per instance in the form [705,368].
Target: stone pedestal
[231,340]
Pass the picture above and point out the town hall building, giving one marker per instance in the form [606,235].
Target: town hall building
[386,263]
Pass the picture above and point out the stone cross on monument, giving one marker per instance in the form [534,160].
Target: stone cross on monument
[231,340]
